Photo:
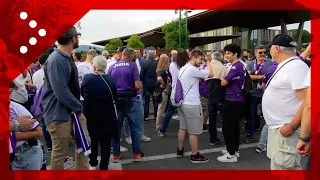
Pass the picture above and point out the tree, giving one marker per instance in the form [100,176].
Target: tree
[135,42]
[305,36]
[114,44]
[171,31]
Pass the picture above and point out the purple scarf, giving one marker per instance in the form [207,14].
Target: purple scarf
[81,140]
[13,148]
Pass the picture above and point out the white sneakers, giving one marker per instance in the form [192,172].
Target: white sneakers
[128,140]
[92,167]
[143,138]
[123,149]
[226,157]
[237,154]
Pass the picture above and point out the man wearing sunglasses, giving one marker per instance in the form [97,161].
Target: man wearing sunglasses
[257,69]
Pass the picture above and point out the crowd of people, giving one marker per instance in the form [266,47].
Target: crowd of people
[104,97]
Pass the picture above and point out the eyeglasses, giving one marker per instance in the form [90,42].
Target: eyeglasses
[78,35]
[262,52]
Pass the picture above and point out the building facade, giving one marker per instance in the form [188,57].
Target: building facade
[258,37]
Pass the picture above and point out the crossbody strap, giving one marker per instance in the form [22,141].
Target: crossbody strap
[114,102]
[191,84]
[279,70]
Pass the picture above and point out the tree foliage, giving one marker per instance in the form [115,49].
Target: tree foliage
[135,42]
[305,36]
[171,31]
[114,44]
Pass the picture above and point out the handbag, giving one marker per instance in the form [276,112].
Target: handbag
[113,101]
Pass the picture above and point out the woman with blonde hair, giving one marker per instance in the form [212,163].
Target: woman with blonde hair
[162,91]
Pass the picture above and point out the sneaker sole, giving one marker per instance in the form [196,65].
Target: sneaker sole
[179,156]
[137,160]
[212,144]
[199,162]
[228,161]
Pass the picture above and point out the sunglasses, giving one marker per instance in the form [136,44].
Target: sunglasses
[262,52]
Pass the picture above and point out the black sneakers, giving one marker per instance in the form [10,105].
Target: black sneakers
[180,153]
[214,142]
[248,139]
[205,128]
[198,159]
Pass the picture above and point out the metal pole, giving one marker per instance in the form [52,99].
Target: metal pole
[179,29]
[187,42]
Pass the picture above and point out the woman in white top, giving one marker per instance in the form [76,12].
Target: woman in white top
[29,155]
[23,81]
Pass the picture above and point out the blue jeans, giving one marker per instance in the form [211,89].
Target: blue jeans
[46,135]
[167,117]
[255,119]
[139,106]
[308,166]
[214,106]
[263,137]
[129,111]
[29,160]
[147,96]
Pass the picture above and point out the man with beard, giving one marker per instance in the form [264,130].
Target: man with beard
[190,111]
[61,98]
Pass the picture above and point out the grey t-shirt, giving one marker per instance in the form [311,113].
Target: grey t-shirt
[258,69]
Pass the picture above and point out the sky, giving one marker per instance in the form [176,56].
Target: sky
[99,25]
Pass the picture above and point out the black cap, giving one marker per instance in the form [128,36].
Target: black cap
[120,50]
[283,40]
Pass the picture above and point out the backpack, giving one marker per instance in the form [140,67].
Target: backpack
[177,95]
[37,107]
[247,86]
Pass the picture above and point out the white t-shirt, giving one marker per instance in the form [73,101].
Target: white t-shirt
[280,102]
[16,111]
[307,81]
[21,94]
[83,69]
[77,63]
[174,71]
[190,77]
[110,62]
[38,78]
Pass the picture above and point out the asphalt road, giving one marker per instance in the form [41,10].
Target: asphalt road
[160,153]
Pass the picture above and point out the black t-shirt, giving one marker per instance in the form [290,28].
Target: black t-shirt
[164,76]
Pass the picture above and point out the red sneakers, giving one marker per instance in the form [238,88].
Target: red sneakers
[138,157]
[116,158]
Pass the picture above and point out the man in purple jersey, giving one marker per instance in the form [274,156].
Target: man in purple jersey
[234,103]
[127,80]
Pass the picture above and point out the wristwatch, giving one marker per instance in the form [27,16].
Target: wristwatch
[17,126]
[306,140]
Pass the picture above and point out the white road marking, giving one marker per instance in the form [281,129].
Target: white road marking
[112,165]
[174,155]
[118,166]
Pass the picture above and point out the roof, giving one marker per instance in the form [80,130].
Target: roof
[224,16]
[198,41]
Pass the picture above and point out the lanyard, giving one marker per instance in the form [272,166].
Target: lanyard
[258,67]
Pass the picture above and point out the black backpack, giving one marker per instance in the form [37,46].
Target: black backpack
[248,86]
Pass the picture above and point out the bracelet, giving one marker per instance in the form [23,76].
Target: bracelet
[306,140]
[292,128]
[17,126]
